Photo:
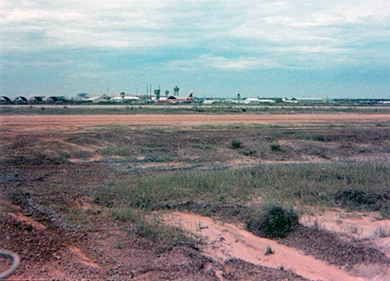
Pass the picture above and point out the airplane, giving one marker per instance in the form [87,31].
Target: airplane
[175,100]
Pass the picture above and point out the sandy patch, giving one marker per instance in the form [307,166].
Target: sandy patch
[369,226]
[223,241]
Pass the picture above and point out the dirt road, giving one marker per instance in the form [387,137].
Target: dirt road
[60,122]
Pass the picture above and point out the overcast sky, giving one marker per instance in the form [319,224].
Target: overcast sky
[293,48]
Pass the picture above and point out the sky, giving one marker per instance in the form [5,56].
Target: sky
[259,48]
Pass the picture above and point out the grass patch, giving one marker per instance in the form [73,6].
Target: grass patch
[125,152]
[141,221]
[321,138]
[291,184]
[150,226]
[204,147]
[231,193]
[154,191]
[148,153]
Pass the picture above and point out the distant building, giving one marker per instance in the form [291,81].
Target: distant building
[55,99]
[125,99]
[267,101]
[254,101]
[287,100]
[209,101]
[20,99]
[4,100]
[37,99]
[98,99]
[311,100]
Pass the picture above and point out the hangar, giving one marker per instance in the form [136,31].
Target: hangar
[4,100]
[20,99]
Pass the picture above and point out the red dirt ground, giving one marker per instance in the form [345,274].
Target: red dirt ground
[50,250]
[61,122]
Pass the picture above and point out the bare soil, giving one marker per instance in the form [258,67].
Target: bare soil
[50,166]
[61,122]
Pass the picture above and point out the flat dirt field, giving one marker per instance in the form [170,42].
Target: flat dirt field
[61,122]
[59,214]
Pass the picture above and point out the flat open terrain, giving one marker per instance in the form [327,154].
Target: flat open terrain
[61,122]
[166,196]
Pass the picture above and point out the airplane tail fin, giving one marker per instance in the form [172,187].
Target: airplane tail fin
[189,96]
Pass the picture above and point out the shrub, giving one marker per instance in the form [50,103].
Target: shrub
[385,211]
[269,251]
[236,144]
[249,152]
[353,199]
[271,221]
[275,147]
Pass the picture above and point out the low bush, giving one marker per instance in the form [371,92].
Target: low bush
[271,221]
[236,144]
[353,199]
[152,227]
[275,147]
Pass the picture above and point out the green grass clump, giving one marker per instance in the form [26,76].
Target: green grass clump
[125,152]
[271,221]
[275,147]
[236,144]
[150,226]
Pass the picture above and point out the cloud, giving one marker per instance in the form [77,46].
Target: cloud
[150,24]
[193,36]
[220,63]
[79,24]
